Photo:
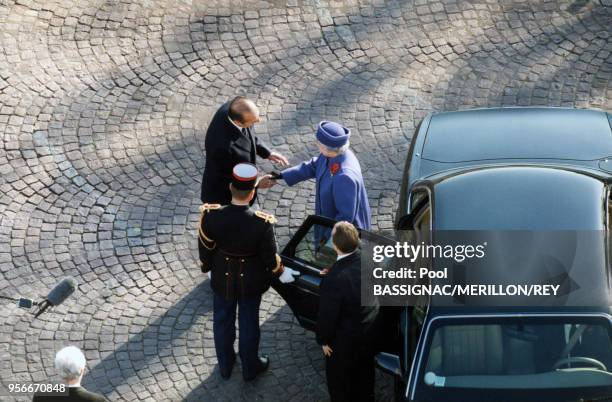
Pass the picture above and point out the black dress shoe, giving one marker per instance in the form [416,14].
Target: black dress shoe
[264,363]
[227,373]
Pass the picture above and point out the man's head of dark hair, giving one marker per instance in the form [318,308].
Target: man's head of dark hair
[345,237]
[240,195]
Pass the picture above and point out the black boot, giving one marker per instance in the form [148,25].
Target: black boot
[226,373]
[264,363]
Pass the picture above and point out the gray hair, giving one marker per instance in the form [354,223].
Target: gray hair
[338,150]
[69,363]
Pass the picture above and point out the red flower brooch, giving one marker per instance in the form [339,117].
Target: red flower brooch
[334,168]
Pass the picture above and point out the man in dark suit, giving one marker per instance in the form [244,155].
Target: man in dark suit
[345,329]
[230,140]
[238,248]
[70,364]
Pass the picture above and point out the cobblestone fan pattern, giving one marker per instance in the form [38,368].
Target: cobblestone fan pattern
[103,110]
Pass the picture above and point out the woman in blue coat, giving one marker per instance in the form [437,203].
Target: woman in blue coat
[341,193]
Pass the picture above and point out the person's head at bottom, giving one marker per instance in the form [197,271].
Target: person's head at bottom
[345,238]
[70,365]
[244,181]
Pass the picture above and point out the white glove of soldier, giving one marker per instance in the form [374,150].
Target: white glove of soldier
[209,273]
[288,275]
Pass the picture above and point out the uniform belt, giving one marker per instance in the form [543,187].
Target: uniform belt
[237,255]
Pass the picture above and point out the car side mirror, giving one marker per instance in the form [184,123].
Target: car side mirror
[389,363]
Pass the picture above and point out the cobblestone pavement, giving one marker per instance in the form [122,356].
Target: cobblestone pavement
[104,106]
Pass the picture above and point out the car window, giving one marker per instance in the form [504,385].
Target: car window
[315,248]
[521,354]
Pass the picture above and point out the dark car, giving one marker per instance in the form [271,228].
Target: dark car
[491,169]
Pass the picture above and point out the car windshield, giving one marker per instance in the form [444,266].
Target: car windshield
[516,359]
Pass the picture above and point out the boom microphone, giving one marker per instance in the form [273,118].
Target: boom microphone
[58,294]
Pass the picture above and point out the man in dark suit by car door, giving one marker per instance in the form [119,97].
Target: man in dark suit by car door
[230,140]
[345,329]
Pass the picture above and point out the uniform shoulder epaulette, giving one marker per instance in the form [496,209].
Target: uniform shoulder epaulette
[206,241]
[266,217]
[209,207]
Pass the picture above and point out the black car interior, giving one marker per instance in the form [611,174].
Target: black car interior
[513,351]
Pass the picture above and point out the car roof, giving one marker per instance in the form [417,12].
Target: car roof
[518,133]
[464,311]
[509,204]
[518,198]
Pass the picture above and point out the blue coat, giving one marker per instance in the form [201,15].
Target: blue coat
[342,195]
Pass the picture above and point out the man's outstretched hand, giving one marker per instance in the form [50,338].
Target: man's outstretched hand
[266,181]
[278,159]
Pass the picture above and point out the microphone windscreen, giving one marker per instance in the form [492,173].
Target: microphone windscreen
[62,291]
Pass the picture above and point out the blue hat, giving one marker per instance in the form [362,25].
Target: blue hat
[332,134]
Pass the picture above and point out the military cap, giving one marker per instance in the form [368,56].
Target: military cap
[244,176]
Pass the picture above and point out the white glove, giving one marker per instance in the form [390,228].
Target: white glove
[288,275]
[209,273]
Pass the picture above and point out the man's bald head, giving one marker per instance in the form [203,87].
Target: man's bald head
[243,111]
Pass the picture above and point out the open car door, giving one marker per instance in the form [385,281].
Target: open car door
[309,251]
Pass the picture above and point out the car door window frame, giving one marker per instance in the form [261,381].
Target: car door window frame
[290,249]
[608,230]
[421,209]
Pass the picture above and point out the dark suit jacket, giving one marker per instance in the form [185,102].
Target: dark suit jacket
[341,315]
[226,146]
[75,394]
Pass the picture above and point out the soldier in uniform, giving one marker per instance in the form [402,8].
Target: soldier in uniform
[238,248]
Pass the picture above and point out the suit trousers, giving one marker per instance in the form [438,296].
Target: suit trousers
[224,328]
[350,371]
